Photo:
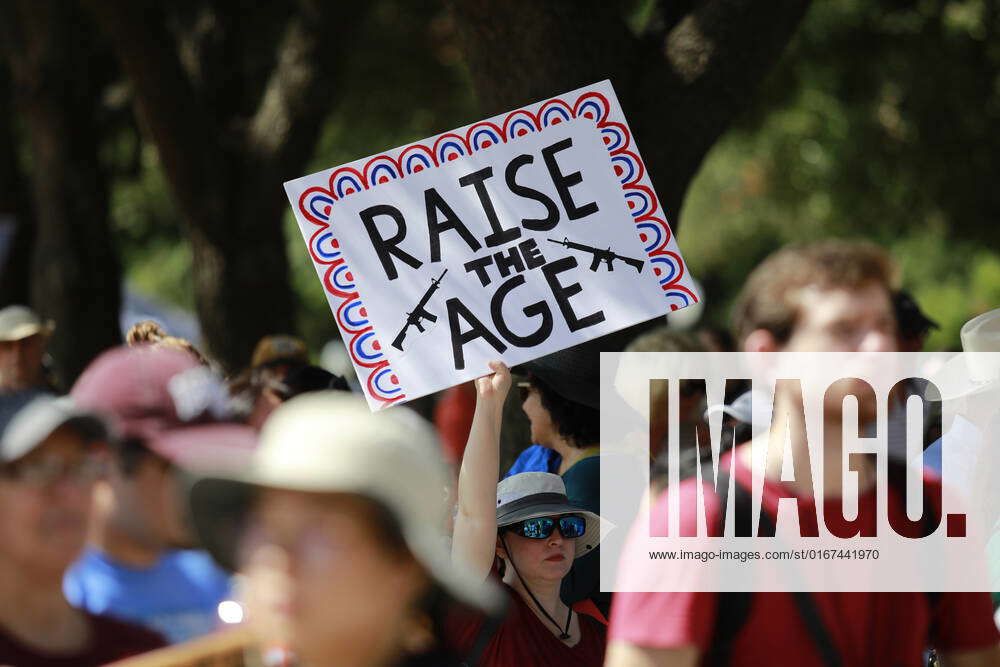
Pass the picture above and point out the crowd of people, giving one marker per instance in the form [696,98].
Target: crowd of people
[157,505]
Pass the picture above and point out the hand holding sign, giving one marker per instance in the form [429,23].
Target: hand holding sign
[485,207]
[493,388]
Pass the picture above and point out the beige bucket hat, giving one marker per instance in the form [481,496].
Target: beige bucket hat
[330,442]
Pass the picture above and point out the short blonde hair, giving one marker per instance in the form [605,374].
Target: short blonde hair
[149,332]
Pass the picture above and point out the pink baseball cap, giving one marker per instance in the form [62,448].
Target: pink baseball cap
[167,399]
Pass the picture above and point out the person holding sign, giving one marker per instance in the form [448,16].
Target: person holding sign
[346,519]
[532,529]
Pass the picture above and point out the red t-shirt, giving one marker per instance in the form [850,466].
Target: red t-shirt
[869,628]
[110,640]
[522,640]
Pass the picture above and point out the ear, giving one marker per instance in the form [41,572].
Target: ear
[500,551]
[760,340]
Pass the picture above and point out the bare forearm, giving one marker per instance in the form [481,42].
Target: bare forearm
[474,540]
[480,469]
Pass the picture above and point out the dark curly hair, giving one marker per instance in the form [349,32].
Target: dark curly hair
[579,424]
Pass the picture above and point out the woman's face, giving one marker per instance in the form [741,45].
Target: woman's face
[318,573]
[548,559]
[542,428]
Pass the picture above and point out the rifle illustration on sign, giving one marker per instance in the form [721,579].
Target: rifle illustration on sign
[601,255]
[419,313]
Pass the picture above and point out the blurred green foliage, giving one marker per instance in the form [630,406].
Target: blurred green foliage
[880,122]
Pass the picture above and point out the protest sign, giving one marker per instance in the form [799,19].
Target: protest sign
[510,238]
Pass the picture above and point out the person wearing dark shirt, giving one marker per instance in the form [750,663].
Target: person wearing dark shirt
[50,456]
[561,399]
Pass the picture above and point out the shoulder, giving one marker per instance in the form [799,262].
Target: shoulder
[583,483]
[90,562]
[92,580]
[533,457]
[198,566]
[963,621]
[689,515]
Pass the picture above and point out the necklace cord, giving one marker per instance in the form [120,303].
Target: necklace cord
[569,616]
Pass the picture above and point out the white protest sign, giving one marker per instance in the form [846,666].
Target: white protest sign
[510,238]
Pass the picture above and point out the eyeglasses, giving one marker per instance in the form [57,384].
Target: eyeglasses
[45,472]
[541,527]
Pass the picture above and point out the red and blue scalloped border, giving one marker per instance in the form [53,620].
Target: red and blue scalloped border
[316,204]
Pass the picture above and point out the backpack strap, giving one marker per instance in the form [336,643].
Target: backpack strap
[896,470]
[731,613]
[483,638]
[733,608]
[810,615]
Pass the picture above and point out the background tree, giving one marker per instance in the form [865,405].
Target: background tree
[683,72]
[233,101]
[876,124]
[58,72]
[16,227]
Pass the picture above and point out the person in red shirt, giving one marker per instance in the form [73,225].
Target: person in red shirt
[532,529]
[829,296]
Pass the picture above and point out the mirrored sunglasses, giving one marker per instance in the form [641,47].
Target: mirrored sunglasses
[541,527]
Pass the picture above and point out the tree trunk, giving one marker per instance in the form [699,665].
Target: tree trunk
[227,145]
[17,233]
[680,84]
[76,277]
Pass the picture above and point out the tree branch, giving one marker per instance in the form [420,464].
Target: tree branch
[166,100]
[301,89]
[679,94]
[522,51]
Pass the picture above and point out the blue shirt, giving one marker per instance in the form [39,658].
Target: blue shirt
[178,596]
[536,458]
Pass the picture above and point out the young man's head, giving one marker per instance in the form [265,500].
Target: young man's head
[829,296]
[50,456]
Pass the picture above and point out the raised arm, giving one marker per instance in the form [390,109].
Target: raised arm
[475,537]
